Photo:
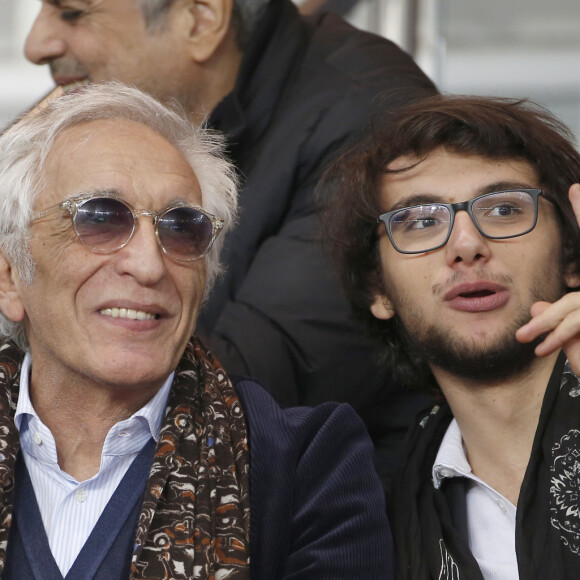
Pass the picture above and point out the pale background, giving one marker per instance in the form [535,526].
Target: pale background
[516,48]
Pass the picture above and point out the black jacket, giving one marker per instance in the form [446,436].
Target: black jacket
[430,525]
[279,314]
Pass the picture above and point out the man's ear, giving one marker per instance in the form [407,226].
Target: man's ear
[206,23]
[382,308]
[10,301]
[572,277]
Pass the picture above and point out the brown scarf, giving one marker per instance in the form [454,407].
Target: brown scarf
[195,517]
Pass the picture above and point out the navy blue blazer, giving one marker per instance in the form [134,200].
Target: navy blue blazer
[317,505]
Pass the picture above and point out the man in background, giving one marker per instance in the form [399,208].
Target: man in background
[456,227]
[287,92]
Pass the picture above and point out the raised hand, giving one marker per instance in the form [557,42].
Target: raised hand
[561,320]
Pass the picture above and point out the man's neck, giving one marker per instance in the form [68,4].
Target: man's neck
[217,80]
[80,417]
[498,422]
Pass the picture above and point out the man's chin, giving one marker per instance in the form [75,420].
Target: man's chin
[483,356]
[74,85]
[494,361]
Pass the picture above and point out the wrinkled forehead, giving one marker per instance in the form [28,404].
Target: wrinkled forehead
[118,155]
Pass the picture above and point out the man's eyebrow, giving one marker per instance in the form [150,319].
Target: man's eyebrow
[418,199]
[502,186]
[58,3]
[107,192]
[426,198]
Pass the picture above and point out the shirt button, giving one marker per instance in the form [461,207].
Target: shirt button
[81,495]
[501,505]
[447,472]
[37,438]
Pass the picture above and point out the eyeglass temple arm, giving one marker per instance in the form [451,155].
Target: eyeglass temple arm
[62,206]
[218,223]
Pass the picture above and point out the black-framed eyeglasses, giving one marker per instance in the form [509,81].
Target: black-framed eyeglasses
[498,216]
[105,223]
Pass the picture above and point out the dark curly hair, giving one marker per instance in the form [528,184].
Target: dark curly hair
[493,128]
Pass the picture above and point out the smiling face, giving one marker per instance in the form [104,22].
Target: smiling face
[461,304]
[72,307]
[103,40]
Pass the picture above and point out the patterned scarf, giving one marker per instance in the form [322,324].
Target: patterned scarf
[195,518]
[427,541]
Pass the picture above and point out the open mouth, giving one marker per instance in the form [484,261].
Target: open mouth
[477,297]
[476,294]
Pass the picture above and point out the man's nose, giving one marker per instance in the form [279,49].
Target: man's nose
[466,243]
[44,43]
[142,258]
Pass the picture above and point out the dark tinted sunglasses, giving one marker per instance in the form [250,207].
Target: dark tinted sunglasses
[106,224]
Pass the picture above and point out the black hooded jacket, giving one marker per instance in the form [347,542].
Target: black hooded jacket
[279,314]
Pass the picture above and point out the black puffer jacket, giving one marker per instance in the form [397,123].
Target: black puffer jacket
[279,314]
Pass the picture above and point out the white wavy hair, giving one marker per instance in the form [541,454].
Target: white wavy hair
[24,148]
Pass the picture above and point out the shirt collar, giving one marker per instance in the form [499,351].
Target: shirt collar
[24,405]
[153,412]
[451,460]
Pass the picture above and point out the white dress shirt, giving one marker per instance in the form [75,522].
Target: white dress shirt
[491,518]
[70,509]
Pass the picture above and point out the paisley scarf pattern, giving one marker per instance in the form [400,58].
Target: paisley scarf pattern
[195,518]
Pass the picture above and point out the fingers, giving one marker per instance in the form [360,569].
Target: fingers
[560,320]
[57,92]
[574,195]
[540,323]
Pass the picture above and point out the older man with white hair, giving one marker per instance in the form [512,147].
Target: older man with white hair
[288,92]
[126,451]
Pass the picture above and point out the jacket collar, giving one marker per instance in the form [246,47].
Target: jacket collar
[267,65]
